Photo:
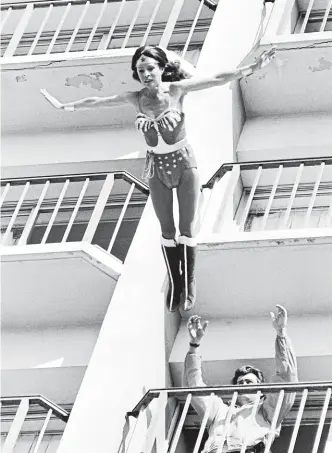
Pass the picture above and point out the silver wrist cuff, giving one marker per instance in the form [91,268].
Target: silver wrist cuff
[246,72]
[69,108]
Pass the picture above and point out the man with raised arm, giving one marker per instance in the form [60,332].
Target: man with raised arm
[243,426]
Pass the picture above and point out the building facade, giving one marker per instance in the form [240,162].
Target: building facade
[84,328]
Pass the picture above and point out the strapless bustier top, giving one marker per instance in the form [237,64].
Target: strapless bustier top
[169,119]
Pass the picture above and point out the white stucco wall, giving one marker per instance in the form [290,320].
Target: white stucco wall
[287,136]
[75,145]
[47,348]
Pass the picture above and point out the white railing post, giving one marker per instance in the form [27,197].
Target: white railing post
[41,28]
[75,211]
[99,208]
[4,20]
[306,17]
[19,30]
[155,424]
[173,17]
[15,214]
[42,431]
[293,194]
[271,436]
[250,199]
[227,422]
[79,22]
[118,223]
[314,194]
[271,198]
[228,198]
[58,29]
[298,421]
[152,18]
[278,18]
[321,421]
[16,426]
[131,26]
[55,212]
[105,42]
[204,422]
[180,424]
[326,15]
[93,31]
[192,28]
[31,221]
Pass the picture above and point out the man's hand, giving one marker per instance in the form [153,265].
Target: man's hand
[264,59]
[52,100]
[279,320]
[196,329]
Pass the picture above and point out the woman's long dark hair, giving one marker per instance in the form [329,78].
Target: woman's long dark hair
[172,70]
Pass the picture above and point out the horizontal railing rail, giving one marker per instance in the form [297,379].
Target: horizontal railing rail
[32,207]
[309,395]
[23,405]
[65,27]
[271,195]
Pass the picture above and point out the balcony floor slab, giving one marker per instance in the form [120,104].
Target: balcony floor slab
[56,284]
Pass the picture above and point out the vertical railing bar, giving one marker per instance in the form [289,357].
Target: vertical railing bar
[321,421]
[152,429]
[4,193]
[42,431]
[127,441]
[250,198]
[110,34]
[298,421]
[228,196]
[57,31]
[181,423]
[31,221]
[271,197]
[173,17]
[152,18]
[192,28]
[173,423]
[19,30]
[99,208]
[274,422]
[314,194]
[93,31]
[80,20]
[326,15]
[203,424]
[292,197]
[55,212]
[131,26]
[16,426]
[227,422]
[4,20]
[253,416]
[75,211]
[118,223]
[306,18]
[15,213]
[41,28]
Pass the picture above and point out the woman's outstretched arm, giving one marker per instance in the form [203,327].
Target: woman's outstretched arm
[91,102]
[202,82]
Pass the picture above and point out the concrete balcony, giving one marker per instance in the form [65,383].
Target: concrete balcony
[266,238]
[299,80]
[82,48]
[73,232]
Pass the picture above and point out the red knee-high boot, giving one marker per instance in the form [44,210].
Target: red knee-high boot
[171,254]
[188,259]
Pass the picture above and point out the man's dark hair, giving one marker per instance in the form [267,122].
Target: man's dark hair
[246,369]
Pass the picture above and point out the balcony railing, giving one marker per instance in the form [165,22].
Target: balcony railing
[170,414]
[99,208]
[270,195]
[66,27]
[31,422]
[292,17]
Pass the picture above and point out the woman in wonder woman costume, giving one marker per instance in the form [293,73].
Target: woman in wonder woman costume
[170,162]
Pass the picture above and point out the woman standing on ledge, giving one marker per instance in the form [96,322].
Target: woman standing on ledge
[170,162]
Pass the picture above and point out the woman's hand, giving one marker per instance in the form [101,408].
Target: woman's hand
[279,320]
[52,100]
[264,59]
[196,329]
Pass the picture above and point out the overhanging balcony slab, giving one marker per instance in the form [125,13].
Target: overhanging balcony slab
[246,274]
[56,284]
[298,80]
[68,80]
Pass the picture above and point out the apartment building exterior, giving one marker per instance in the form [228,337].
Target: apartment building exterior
[85,335]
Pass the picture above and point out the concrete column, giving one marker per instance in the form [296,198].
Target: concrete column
[215,116]
[129,357]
